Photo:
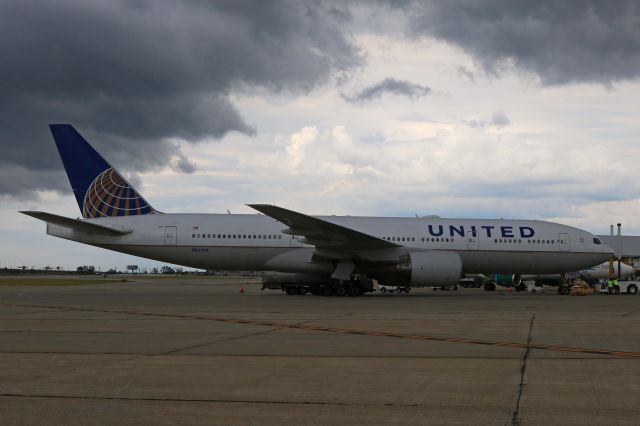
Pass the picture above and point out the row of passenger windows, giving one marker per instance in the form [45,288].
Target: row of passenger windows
[423,239]
[239,236]
[511,241]
[450,240]
[443,240]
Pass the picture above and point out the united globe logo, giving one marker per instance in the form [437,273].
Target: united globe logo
[110,195]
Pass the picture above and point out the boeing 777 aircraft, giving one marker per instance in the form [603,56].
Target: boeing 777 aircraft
[328,250]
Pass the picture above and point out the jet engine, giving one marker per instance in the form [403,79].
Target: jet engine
[508,280]
[433,267]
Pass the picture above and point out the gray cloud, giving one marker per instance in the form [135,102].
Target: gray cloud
[132,74]
[388,85]
[560,42]
[183,164]
[498,119]
[464,72]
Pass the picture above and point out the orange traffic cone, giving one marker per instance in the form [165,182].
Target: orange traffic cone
[241,288]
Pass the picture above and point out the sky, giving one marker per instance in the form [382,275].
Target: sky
[483,109]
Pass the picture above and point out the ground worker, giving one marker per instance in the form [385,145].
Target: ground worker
[616,288]
[610,286]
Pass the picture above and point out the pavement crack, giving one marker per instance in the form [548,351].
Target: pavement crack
[515,417]
[230,339]
[630,313]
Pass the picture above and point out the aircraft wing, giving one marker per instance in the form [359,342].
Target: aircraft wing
[321,233]
[76,224]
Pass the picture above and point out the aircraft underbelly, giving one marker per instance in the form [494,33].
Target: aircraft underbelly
[527,262]
[216,258]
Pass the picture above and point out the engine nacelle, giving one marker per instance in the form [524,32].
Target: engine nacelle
[433,267]
[508,280]
[298,261]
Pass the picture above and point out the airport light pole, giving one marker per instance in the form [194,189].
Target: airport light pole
[619,249]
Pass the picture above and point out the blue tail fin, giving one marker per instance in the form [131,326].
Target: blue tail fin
[99,189]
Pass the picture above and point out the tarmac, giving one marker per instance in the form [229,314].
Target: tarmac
[194,350]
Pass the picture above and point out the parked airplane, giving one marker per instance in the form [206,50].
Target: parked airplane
[591,275]
[607,270]
[326,249]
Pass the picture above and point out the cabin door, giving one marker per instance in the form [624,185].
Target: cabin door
[563,242]
[170,235]
[472,240]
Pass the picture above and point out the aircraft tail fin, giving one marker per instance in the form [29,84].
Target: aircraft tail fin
[98,187]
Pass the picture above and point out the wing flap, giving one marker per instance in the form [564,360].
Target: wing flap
[76,224]
[322,233]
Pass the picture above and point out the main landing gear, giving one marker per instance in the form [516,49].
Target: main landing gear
[334,288]
[489,286]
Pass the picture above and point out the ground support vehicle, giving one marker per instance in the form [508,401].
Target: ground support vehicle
[301,284]
[469,282]
[624,287]
[454,288]
[393,289]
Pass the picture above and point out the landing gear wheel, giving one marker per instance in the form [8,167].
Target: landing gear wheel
[340,290]
[489,286]
[302,290]
[327,290]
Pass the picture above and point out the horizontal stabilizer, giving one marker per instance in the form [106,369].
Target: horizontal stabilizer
[76,224]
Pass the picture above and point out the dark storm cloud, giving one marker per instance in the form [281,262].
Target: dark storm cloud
[391,86]
[132,74]
[559,41]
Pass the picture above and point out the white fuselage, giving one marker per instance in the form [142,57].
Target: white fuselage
[257,242]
